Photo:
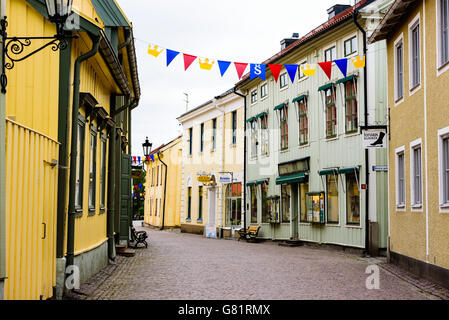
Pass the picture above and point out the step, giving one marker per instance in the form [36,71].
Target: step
[127,252]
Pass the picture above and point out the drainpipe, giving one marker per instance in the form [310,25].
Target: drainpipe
[2,177]
[111,186]
[73,151]
[244,156]
[223,210]
[365,102]
[165,191]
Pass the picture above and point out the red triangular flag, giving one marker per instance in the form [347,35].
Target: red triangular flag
[327,68]
[188,60]
[134,158]
[275,70]
[240,67]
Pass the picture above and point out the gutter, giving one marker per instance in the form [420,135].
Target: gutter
[165,193]
[111,186]
[73,152]
[244,156]
[365,102]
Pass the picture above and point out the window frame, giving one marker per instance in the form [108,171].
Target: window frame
[417,144]
[331,48]
[92,169]
[443,177]
[301,116]
[332,178]
[265,136]
[103,168]
[301,75]
[400,203]
[253,96]
[331,105]
[234,127]
[413,25]
[214,134]
[356,174]
[399,97]
[283,133]
[200,204]
[353,98]
[282,220]
[442,64]
[80,174]
[352,37]
[189,204]
[262,95]
[283,81]
[254,138]
[202,137]
[190,141]
[253,204]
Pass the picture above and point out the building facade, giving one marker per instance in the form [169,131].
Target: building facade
[417,44]
[163,186]
[308,176]
[212,147]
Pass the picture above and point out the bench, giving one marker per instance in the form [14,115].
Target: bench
[250,233]
[139,237]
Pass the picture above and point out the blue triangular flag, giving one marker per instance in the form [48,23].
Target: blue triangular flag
[257,71]
[224,65]
[140,186]
[152,157]
[171,54]
[138,159]
[342,64]
[291,69]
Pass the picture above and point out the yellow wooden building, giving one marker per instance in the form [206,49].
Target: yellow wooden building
[163,186]
[418,60]
[68,122]
[213,147]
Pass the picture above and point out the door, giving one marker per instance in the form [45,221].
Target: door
[295,211]
[211,210]
[125,196]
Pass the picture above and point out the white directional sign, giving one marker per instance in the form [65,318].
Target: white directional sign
[225,179]
[374,139]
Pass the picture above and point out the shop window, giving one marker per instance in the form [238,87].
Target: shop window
[332,198]
[303,190]
[253,190]
[352,199]
[286,193]
[265,207]
[189,203]
[315,207]
[273,207]
[234,204]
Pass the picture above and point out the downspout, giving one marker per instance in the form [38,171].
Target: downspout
[73,151]
[223,212]
[111,186]
[165,192]
[2,177]
[365,98]
[244,156]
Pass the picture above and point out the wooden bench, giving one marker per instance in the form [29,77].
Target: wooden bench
[139,237]
[250,233]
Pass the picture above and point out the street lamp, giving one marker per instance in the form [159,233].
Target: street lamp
[13,47]
[147,148]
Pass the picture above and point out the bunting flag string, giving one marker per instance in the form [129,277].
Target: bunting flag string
[257,70]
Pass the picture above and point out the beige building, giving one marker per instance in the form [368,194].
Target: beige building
[212,144]
[418,59]
[163,186]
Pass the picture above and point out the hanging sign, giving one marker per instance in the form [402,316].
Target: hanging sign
[374,139]
[225,179]
[204,179]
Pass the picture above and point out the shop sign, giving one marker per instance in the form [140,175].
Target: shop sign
[374,139]
[224,179]
[204,179]
[380,168]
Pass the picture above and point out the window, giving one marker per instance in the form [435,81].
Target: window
[152,176]
[234,127]
[330,54]
[301,74]
[254,135]
[253,96]
[416,176]
[399,70]
[214,133]
[350,46]
[190,140]
[103,173]
[415,56]
[157,175]
[265,210]
[92,169]
[253,190]
[189,203]
[234,204]
[286,192]
[400,179]
[151,207]
[264,134]
[263,90]
[351,106]
[79,164]
[283,114]
[156,209]
[331,113]
[202,138]
[445,170]
[352,199]
[303,189]
[443,32]
[332,198]
[200,204]
[283,80]
[303,122]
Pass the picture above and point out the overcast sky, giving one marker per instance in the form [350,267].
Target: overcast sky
[233,30]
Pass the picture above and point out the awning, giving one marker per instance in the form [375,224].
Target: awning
[326,86]
[259,182]
[250,119]
[260,115]
[348,170]
[299,98]
[279,106]
[301,177]
[250,184]
[348,78]
[329,171]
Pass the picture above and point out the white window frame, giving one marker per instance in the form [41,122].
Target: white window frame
[441,67]
[330,46]
[414,145]
[304,77]
[415,22]
[266,95]
[254,138]
[355,53]
[286,81]
[397,152]
[252,95]
[442,134]
[399,40]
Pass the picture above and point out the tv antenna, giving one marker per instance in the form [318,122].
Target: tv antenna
[187,101]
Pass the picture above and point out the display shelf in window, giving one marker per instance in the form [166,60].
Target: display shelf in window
[315,207]
[274,209]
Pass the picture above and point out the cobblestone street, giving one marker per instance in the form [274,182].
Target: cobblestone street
[186,266]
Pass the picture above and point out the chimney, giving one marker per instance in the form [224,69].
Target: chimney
[336,9]
[287,42]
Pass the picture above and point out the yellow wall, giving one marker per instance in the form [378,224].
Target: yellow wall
[407,123]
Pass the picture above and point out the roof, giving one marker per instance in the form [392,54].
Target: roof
[110,13]
[338,19]
[391,20]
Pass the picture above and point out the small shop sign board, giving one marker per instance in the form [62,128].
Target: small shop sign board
[380,168]
[211,231]
[225,179]
[374,139]
[204,179]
